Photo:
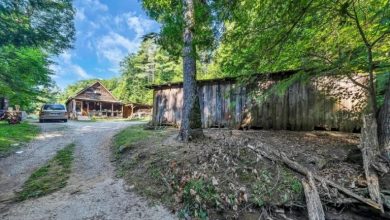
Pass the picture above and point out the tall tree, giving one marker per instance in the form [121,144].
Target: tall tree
[186,29]
[150,65]
[37,23]
[323,36]
[24,75]
[31,31]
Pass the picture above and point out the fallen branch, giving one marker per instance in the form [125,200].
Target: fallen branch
[275,156]
[313,202]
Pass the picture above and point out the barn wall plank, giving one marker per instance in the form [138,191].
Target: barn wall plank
[304,106]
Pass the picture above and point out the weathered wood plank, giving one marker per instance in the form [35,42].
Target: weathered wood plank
[303,107]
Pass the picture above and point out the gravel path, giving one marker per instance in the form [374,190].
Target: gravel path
[92,192]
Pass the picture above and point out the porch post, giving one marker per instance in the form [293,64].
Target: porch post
[88,107]
[112,109]
[73,108]
[122,112]
[73,105]
[100,104]
[81,108]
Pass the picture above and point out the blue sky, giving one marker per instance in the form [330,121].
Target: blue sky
[106,31]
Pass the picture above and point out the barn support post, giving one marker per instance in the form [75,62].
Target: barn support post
[81,107]
[122,112]
[88,107]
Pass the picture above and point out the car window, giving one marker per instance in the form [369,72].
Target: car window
[53,107]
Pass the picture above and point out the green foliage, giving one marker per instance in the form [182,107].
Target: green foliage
[31,31]
[24,75]
[51,177]
[283,188]
[267,35]
[171,16]
[37,23]
[381,83]
[15,134]
[197,195]
[150,65]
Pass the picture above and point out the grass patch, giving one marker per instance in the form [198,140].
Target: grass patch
[129,136]
[14,134]
[279,189]
[51,177]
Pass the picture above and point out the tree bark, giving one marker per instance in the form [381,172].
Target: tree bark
[370,151]
[313,202]
[191,122]
[384,124]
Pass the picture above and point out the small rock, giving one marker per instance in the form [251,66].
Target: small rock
[141,156]
[15,145]
[122,148]
[128,188]
[214,181]
[19,152]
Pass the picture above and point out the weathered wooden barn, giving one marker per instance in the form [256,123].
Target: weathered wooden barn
[94,100]
[322,103]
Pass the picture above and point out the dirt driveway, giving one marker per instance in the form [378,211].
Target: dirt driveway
[92,192]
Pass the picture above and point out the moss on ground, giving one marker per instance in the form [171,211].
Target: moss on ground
[12,136]
[50,177]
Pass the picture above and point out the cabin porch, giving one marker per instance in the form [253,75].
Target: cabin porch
[91,108]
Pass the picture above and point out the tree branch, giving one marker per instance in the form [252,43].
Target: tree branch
[360,29]
[380,38]
[292,27]
[356,82]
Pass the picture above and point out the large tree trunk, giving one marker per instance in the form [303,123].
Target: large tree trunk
[191,121]
[384,124]
[370,151]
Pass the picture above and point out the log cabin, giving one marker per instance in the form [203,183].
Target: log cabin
[94,101]
[321,103]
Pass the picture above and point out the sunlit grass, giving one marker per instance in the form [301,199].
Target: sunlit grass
[12,134]
[51,177]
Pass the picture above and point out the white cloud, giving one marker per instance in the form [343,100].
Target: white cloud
[95,5]
[80,15]
[139,25]
[80,71]
[65,66]
[114,47]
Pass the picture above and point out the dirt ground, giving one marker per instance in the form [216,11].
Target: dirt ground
[92,191]
[240,184]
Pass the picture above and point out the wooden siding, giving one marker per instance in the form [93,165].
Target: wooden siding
[96,92]
[304,106]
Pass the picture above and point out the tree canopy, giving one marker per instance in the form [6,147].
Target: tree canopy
[37,23]
[30,32]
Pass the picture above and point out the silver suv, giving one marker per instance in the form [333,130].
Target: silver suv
[53,112]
